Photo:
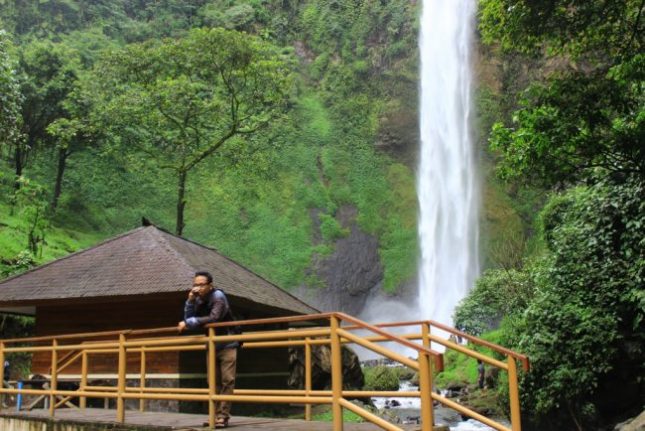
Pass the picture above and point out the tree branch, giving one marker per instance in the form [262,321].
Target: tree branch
[211,149]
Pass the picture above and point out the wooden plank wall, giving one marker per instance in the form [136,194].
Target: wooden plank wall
[139,312]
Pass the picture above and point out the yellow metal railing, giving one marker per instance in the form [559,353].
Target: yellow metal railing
[333,329]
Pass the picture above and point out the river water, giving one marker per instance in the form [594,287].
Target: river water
[407,409]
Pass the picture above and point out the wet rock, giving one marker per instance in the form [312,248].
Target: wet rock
[634,424]
[491,377]
[353,378]
[350,273]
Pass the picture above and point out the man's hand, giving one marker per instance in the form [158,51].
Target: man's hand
[193,294]
[181,326]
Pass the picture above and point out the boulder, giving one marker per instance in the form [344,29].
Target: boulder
[491,376]
[353,378]
[634,424]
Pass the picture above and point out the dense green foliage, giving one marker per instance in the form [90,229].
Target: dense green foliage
[178,102]
[574,301]
[10,96]
[497,294]
[95,73]
[588,316]
[587,112]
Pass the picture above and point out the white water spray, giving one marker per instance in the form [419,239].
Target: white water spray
[446,184]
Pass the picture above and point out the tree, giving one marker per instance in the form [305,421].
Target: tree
[49,73]
[180,100]
[585,330]
[10,97]
[587,113]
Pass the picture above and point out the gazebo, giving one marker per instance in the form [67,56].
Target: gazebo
[140,280]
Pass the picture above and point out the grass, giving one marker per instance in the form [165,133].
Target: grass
[348,417]
[58,242]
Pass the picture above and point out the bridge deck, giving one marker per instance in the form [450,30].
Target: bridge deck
[181,421]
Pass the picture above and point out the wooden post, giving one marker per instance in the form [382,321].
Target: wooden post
[211,367]
[83,400]
[54,378]
[2,362]
[142,382]
[513,391]
[425,382]
[336,375]
[120,401]
[307,377]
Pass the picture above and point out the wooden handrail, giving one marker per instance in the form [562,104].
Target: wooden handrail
[65,336]
[495,347]
[143,341]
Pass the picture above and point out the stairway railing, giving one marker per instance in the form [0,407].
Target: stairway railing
[333,329]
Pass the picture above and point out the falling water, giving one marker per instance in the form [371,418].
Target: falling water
[447,179]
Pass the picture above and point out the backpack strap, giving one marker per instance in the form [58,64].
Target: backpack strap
[219,294]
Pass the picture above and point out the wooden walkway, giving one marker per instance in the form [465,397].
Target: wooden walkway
[160,421]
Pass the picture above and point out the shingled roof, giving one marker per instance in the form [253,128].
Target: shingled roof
[144,260]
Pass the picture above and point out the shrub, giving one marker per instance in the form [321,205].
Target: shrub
[381,379]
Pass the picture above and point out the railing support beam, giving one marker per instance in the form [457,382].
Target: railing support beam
[307,376]
[54,378]
[425,383]
[336,375]
[142,382]
[83,400]
[212,378]
[513,392]
[120,401]
[2,380]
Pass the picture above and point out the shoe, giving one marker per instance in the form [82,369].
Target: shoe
[221,423]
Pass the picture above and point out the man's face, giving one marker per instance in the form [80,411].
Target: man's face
[202,283]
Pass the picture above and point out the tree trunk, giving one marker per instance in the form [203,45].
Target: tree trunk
[58,186]
[18,159]
[181,203]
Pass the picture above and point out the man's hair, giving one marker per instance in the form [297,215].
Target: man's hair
[206,274]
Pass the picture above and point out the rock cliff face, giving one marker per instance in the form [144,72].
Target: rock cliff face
[351,277]
[350,273]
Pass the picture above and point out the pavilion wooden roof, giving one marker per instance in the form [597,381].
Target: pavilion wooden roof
[142,261]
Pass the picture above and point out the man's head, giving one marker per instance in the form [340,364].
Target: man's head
[203,281]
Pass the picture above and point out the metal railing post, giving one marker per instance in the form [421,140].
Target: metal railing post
[54,378]
[142,382]
[83,400]
[336,375]
[425,382]
[513,391]
[211,369]
[307,377]
[120,401]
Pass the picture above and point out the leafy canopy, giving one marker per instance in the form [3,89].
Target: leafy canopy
[585,330]
[586,113]
[178,101]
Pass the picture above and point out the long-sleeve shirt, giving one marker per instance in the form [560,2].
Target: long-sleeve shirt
[201,311]
[213,308]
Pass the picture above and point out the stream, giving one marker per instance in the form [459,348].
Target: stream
[408,410]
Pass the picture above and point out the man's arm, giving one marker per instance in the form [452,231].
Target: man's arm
[189,309]
[218,310]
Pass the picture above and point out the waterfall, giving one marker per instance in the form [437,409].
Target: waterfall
[447,183]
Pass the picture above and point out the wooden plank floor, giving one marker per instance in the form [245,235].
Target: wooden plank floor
[183,421]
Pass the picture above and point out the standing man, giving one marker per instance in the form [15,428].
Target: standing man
[481,373]
[205,304]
